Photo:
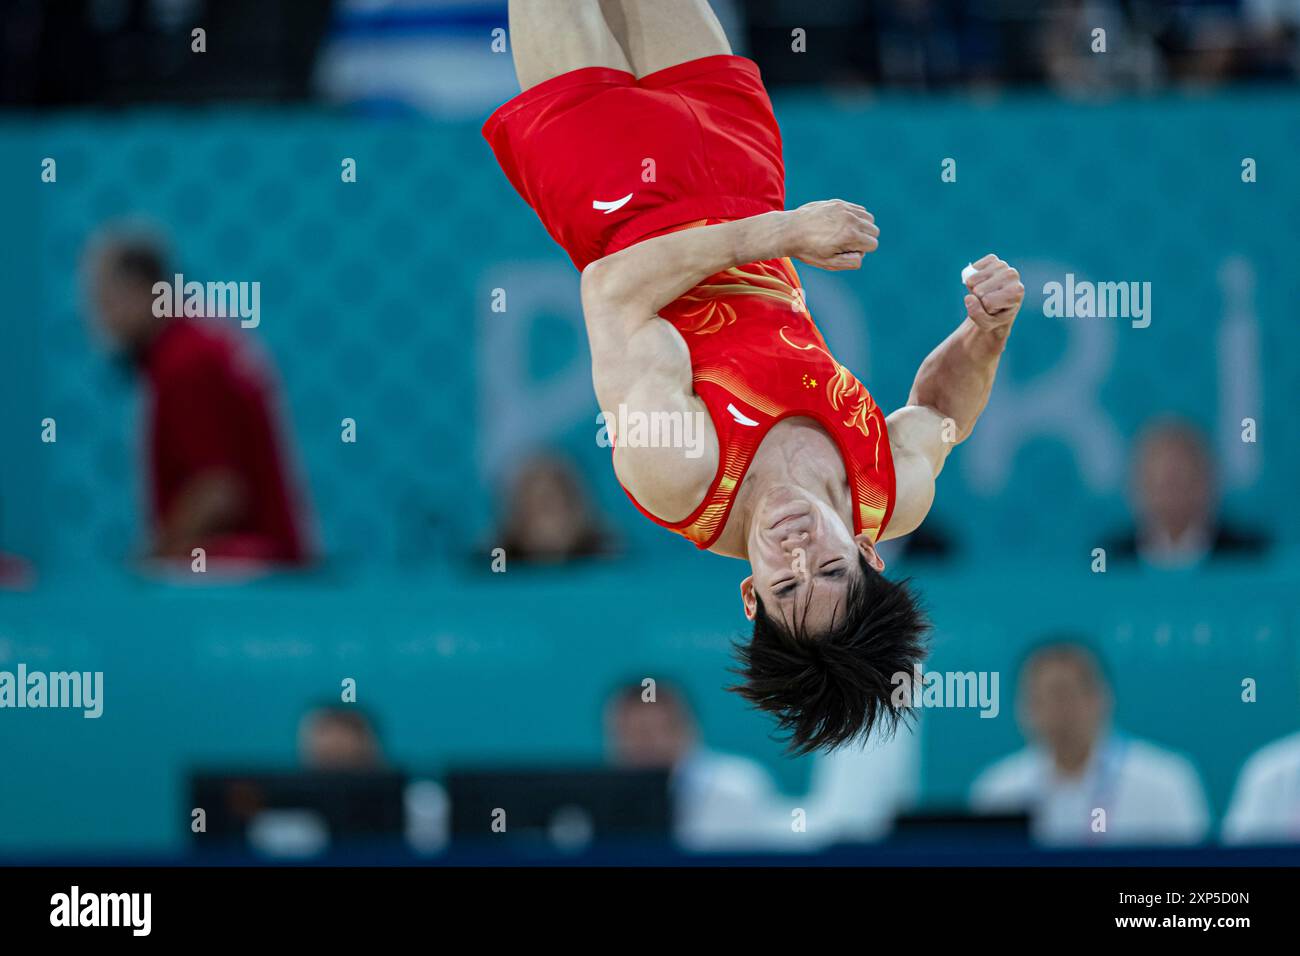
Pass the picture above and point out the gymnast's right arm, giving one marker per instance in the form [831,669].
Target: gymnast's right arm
[633,351]
[951,390]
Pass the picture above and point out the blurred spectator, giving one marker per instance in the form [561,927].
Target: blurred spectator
[918,44]
[1175,503]
[1271,32]
[441,56]
[1206,50]
[1129,59]
[130,51]
[338,737]
[1265,805]
[213,444]
[1076,765]
[857,791]
[431,56]
[721,801]
[550,517]
[15,572]
[935,44]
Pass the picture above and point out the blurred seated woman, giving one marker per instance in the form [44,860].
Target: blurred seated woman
[549,517]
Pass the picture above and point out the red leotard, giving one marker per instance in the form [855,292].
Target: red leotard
[607,160]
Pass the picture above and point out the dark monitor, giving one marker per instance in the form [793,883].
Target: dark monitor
[558,808]
[940,826]
[297,813]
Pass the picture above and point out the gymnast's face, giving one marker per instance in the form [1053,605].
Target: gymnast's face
[803,558]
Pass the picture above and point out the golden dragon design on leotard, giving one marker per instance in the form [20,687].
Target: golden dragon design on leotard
[705,309]
[845,393]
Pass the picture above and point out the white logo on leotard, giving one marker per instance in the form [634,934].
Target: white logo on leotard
[741,418]
[610,205]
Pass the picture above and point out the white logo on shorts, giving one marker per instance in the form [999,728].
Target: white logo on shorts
[610,205]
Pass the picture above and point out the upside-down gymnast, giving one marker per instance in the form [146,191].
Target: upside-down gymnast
[652,156]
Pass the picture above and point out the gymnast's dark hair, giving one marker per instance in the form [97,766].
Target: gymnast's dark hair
[831,689]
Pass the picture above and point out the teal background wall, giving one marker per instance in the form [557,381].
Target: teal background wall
[375,306]
[477,668]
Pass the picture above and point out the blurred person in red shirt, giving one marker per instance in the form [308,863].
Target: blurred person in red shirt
[216,456]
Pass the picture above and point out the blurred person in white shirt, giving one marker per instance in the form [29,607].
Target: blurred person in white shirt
[857,791]
[721,801]
[1081,782]
[1265,805]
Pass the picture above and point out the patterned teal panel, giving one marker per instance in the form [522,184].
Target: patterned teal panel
[376,306]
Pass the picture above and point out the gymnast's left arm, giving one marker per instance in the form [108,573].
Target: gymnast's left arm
[950,391]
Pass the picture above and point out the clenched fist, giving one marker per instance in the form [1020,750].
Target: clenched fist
[832,234]
[995,294]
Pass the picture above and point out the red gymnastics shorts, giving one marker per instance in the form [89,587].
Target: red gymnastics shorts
[607,160]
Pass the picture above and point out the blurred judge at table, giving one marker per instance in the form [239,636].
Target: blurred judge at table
[1175,496]
[342,738]
[721,801]
[1080,781]
[1265,805]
